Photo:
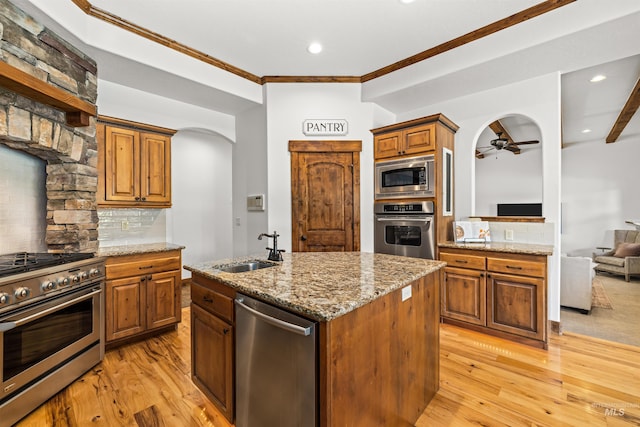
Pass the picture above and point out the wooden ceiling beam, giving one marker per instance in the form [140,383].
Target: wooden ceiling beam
[627,112]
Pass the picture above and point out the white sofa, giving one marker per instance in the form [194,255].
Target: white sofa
[576,275]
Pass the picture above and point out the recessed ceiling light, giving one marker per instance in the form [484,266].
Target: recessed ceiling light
[314,48]
[406,1]
[586,130]
[598,78]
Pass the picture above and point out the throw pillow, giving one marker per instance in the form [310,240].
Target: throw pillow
[627,249]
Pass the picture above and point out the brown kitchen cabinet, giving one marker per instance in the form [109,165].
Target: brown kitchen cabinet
[502,294]
[412,141]
[134,164]
[212,342]
[143,294]
[433,135]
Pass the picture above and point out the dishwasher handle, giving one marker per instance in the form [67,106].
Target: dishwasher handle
[290,327]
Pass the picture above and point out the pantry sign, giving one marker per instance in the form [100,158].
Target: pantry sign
[321,127]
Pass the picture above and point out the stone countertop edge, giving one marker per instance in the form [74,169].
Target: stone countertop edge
[321,285]
[143,248]
[507,247]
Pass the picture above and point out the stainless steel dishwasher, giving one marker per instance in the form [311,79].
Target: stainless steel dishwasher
[276,366]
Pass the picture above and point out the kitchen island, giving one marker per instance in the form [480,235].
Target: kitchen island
[378,323]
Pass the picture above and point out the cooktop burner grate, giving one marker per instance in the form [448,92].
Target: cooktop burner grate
[21,262]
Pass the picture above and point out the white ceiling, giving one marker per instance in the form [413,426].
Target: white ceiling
[269,38]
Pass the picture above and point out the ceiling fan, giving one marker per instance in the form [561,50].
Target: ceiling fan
[502,142]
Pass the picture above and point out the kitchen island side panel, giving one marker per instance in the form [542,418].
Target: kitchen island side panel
[379,364]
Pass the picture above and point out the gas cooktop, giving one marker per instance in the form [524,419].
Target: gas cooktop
[21,262]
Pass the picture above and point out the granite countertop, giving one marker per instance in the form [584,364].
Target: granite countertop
[322,285]
[509,247]
[105,251]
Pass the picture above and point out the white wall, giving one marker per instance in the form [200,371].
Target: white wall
[538,99]
[288,106]
[502,177]
[201,214]
[599,192]
[249,178]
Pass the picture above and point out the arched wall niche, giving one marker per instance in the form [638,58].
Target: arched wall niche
[507,174]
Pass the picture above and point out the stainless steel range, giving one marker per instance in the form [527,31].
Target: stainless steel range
[51,326]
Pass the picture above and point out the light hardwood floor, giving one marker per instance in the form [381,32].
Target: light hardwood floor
[484,381]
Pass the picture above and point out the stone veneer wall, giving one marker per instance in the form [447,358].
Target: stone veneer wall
[37,129]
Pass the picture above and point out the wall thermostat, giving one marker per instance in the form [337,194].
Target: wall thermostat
[255,202]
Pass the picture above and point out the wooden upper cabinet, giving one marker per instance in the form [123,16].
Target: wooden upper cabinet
[134,164]
[155,168]
[122,153]
[412,141]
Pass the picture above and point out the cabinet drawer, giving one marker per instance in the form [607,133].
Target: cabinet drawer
[212,301]
[136,265]
[463,261]
[519,267]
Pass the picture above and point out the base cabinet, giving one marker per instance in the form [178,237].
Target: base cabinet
[514,305]
[502,294]
[142,294]
[212,342]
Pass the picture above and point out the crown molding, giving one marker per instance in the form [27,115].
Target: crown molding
[524,15]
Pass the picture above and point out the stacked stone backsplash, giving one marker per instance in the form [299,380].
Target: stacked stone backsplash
[41,130]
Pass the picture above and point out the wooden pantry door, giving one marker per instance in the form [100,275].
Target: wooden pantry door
[325,195]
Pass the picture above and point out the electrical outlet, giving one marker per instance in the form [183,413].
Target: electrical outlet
[508,234]
[406,293]
[124,225]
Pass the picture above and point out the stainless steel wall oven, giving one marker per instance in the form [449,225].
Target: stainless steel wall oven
[404,228]
[51,326]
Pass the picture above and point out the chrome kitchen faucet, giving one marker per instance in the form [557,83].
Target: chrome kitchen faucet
[275,254]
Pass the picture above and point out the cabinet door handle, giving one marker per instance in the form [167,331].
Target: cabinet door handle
[137,199]
[144,199]
[207,299]
[225,331]
[143,279]
[481,274]
[514,267]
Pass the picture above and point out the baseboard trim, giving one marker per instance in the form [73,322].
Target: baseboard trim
[555,327]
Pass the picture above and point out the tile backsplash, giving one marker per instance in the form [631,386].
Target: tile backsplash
[131,226]
[23,203]
[523,232]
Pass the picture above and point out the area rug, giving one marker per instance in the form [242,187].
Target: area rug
[599,297]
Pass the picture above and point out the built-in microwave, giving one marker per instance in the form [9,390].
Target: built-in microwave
[405,178]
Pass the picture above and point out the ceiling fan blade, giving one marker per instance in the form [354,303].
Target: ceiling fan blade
[513,148]
[526,142]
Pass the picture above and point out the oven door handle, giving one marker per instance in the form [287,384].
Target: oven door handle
[404,218]
[7,326]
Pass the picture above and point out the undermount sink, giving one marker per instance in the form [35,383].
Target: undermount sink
[246,266]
